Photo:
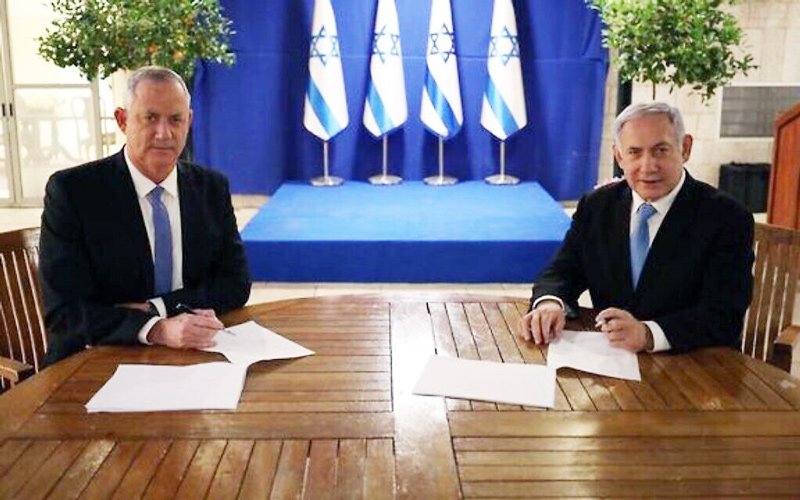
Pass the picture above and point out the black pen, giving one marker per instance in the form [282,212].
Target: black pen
[183,308]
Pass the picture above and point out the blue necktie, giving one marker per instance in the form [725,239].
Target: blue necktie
[640,242]
[162,254]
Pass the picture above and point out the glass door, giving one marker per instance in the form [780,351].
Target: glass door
[56,116]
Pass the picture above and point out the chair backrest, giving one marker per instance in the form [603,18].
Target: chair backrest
[775,275]
[22,333]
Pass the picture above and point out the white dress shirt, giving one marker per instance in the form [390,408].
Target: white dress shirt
[171,200]
[662,206]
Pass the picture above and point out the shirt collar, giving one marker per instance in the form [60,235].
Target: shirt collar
[143,185]
[663,204]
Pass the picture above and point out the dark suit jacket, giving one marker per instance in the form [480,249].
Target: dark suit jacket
[94,253]
[696,282]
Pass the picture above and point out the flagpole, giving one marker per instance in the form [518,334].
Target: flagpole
[385,179]
[326,180]
[502,179]
[441,179]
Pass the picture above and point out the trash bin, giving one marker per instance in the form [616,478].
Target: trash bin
[748,183]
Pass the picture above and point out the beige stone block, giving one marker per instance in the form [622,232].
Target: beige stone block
[772,55]
[791,55]
[708,125]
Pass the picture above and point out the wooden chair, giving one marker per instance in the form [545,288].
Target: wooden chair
[769,334]
[23,339]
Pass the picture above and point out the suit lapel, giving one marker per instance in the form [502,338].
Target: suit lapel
[621,240]
[671,232]
[130,221]
[190,221]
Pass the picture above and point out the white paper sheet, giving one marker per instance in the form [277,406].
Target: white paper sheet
[513,383]
[135,388]
[591,352]
[251,342]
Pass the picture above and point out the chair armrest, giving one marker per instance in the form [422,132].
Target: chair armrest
[13,370]
[785,343]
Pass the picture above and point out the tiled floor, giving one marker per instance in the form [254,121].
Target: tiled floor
[15,218]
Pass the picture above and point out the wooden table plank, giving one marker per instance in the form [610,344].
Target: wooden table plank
[379,474]
[230,469]
[322,458]
[108,476]
[25,467]
[184,425]
[141,471]
[639,443]
[662,384]
[201,469]
[260,474]
[663,423]
[291,470]
[350,475]
[77,477]
[633,489]
[10,451]
[49,472]
[172,469]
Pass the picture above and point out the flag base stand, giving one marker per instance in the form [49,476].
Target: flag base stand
[440,180]
[502,180]
[385,180]
[326,180]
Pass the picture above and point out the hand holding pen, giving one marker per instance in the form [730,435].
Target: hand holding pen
[184,309]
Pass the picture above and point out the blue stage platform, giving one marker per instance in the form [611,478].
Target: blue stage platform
[409,233]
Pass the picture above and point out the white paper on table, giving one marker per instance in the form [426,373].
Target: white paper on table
[513,383]
[252,342]
[135,388]
[591,352]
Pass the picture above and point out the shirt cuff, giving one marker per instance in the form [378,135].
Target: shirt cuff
[158,302]
[548,297]
[660,342]
[146,329]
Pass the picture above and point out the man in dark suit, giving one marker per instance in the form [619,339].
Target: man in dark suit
[666,258]
[130,241]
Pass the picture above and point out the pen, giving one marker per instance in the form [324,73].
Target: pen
[599,322]
[183,308]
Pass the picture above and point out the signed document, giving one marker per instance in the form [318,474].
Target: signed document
[250,342]
[591,352]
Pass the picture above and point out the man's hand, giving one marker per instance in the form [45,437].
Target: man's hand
[186,331]
[625,331]
[544,323]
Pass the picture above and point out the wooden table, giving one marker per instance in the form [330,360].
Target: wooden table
[344,424]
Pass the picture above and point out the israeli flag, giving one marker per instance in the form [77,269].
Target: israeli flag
[503,112]
[441,98]
[385,108]
[326,102]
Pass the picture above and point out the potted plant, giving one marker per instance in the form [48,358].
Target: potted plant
[100,37]
[673,42]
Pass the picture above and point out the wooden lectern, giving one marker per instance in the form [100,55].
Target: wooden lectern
[783,208]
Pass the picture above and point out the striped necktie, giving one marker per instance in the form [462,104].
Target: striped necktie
[162,241]
[640,241]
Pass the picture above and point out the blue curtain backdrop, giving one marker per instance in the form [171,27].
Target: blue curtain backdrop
[249,118]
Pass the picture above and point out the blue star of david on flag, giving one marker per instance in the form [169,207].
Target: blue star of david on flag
[379,46]
[324,46]
[504,46]
[447,36]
